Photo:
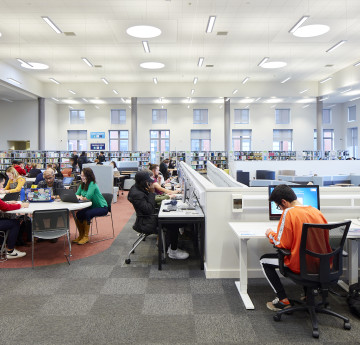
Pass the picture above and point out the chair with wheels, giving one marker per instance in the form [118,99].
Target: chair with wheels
[321,254]
[51,224]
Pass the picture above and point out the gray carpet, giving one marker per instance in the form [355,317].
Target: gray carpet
[101,300]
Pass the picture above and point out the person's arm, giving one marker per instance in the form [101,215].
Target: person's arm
[20,184]
[144,203]
[7,187]
[283,238]
[8,207]
[164,190]
[89,194]
[78,192]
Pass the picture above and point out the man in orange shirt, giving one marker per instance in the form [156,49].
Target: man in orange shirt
[288,236]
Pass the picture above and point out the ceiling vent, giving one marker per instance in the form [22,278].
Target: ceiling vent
[222,33]
[209,65]
[97,66]
[69,33]
[329,65]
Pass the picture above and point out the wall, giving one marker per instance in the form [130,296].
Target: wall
[53,137]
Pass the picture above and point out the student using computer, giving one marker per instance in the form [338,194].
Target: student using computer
[288,236]
[15,182]
[158,189]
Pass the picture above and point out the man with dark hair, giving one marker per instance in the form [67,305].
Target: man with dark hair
[288,236]
[101,157]
[164,168]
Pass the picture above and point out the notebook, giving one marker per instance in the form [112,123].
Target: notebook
[68,195]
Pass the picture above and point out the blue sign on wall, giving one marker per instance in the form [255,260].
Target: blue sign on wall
[97,146]
[97,135]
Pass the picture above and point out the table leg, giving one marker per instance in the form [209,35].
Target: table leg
[160,245]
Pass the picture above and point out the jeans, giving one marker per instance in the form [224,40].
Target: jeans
[89,213]
[12,226]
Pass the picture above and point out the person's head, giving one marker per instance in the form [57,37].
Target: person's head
[166,161]
[15,162]
[33,165]
[282,195]
[83,153]
[87,176]
[113,164]
[49,177]
[12,173]
[75,153]
[155,169]
[22,164]
[48,166]
[143,180]
[54,166]
[101,153]
[2,180]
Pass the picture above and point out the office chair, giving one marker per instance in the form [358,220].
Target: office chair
[108,197]
[4,235]
[321,254]
[50,224]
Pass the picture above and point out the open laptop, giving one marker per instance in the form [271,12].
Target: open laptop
[67,181]
[11,196]
[68,195]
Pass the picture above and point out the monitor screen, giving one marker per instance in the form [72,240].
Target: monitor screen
[308,195]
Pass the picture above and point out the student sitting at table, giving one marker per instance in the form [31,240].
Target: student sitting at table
[51,182]
[34,171]
[89,191]
[40,176]
[164,168]
[157,180]
[15,182]
[58,173]
[18,168]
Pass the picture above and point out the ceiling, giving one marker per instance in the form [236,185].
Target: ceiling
[255,29]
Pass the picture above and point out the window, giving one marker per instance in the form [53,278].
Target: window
[282,116]
[77,140]
[241,116]
[282,140]
[200,116]
[200,139]
[77,117]
[159,116]
[119,140]
[241,139]
[159,142]
[352,113]
[326,116]
[352,141]
[118,117]
[315,141]
[328,139]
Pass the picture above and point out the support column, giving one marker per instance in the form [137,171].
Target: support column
[319,111]
[227,135]
[134,146]
[41,124]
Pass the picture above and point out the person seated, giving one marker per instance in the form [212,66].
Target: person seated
[12,226]
[50,181]
[40,176]
[101,157]
[34,171]
[58,173]
[15,182]
[288,236]
[164,168]
[18,168]
[157,181]
[142,196]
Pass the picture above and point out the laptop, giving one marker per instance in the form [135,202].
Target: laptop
[11,196]
[68,195]
[67,181]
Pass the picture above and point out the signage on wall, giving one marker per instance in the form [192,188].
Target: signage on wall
[97,135]
[97,146]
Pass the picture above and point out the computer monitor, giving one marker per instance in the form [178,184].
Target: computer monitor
[308,195]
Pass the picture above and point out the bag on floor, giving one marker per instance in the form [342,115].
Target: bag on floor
[353,299]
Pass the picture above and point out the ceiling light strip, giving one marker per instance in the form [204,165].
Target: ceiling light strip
[299,23]
[325,80]
[265,59]
[245,80]
[54,81]
[115,92]
[303,91]
[210,24]
[201,61]
[155,80]
[14,80]
[354,99]
[7,100]
[28,65]
[85,100]
[285,80]
[347,90]
[195,80]
[55,99]
[192,91]
[357,64]
[337,45]
[105,81]
[146,46]
[235,91]
[87,62]
[52,24]
[73,92]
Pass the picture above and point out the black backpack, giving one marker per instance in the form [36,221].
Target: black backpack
[353,299]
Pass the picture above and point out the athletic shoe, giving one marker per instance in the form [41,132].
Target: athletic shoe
[15,254]
[277,305]
[177,254]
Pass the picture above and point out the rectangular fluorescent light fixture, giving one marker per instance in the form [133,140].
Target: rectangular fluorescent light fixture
[24,63]
[265,59]
[85,100]
[105,81]
[347,90]
[155,80]
[115,92]
[337,45]
[192,91]
[195,80]
[298,24]
[54,81]
[146,46]
[73,92]
[333,105]
[201,61]
[304,91]
[305,106]
[357,64]
[87,62]
[245,80]
[52,25]
[285,80]
[227,99]
[7,100]
[55,99]
[354,99]
[325,80]
[70,107]
[210,24]
[14,80]
[257,99]
[122,99]
[235,91]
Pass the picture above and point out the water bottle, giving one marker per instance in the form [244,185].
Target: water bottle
[22,194]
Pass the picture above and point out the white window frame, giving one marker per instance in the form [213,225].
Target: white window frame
[284,136]
[282,116]
[242,116]
[118,116]
[353,141]
[159,116]
[120,139]
[326,117]
[352,113]
[328,137]
[242,137]
[200,116]
[199,138]
[77,140]
[76,116]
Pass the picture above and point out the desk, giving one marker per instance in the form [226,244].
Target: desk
[195,217]
[248,230]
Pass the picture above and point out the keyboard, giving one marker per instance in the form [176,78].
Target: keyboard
[186,207]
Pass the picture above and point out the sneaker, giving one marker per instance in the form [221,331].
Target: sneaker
[177,254]
[277,305]
[15,254]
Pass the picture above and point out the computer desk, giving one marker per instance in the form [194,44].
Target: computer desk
[248,230]
[195,217]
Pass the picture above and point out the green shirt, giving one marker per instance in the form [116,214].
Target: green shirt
[93,194]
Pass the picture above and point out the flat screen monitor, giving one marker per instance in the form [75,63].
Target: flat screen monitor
[308,195]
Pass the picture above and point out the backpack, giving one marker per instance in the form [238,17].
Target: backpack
[353,299]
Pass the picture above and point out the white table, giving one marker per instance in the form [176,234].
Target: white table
[248,230]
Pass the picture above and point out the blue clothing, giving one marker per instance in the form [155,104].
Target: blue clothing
[39,178]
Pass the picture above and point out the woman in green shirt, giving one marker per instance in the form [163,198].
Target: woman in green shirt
[89,191]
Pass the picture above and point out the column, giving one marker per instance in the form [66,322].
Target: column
[41,123]
[227,136]
[134,146]
[319,110]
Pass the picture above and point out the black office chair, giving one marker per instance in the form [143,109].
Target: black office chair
[321,254]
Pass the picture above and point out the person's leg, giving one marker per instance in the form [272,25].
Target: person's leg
[88,215]
[174,252]
[12,226]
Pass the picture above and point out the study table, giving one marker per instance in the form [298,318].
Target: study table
[181,216]
[249,230]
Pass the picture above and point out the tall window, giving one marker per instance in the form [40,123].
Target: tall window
[352,141]
[200,139]
[328,139]
[282,140]
[159,142]
[200,116]
[77,140]
[118,117]
[352,113]
[159,116]
[77,117]
[119,140]
[241,116]
[326,116]
[282,116]
[241,139]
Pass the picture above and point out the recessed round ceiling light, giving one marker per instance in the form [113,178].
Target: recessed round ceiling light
[152,65]
[34,65]
[273,64]
[311,30]
[143,31]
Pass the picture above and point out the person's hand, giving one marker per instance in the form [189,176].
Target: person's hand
[79,197]
[6,192]
[25,205]
[12,202]
[172,196]
[267,232]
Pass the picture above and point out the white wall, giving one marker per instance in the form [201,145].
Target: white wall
[52,136]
